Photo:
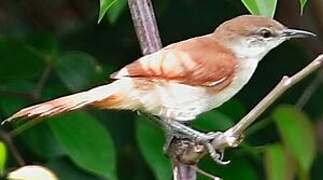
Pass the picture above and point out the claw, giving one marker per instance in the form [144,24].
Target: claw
[217,157]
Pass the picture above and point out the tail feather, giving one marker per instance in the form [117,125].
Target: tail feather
[66,103]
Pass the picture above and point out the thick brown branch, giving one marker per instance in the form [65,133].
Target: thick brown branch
[143,17]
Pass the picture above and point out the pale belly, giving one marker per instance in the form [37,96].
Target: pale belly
[183,102]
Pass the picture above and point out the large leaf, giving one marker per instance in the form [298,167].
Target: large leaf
[86,142]
[261,7]
[18,62]
[3,156]
[77,70]
[277,164]
[104,6]
[41,141]
[66,170]
[297,133]
[151,141]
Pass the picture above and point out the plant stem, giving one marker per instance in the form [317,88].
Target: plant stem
[144,21]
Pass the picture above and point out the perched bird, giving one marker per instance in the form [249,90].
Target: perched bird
[184,79]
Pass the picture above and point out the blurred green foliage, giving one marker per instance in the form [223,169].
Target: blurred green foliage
[45,58]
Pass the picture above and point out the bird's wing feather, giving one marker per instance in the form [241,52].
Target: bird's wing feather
[199,61]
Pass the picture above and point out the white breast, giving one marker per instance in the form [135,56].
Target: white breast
[246,68]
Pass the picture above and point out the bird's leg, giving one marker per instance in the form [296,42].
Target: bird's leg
[179,130]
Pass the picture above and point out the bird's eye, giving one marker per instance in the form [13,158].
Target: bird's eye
[265,33]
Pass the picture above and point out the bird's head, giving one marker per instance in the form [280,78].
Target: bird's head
[252,37]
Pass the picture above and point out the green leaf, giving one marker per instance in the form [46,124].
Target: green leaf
[233,109]
[116,10]
[213,121]
[18,62]
[277,164]
[302,4]
[10,104]
[297,133]
[240,168]
[3,156]
[151,141]
[44,42]
[104,7]
[41,141]
[77,70]
[261,7]
[87,143]
[66,170]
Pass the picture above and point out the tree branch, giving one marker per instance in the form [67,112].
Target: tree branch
[186,153]
[144,20]
[233,137]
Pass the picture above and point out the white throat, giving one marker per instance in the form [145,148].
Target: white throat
[253,49]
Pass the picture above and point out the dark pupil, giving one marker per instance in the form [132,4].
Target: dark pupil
[265,33]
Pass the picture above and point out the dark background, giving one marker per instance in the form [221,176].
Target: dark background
[52,48]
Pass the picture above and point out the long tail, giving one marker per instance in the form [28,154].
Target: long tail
[106,94]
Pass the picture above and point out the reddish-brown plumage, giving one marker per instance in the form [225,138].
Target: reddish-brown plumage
[183,79]
[200,61]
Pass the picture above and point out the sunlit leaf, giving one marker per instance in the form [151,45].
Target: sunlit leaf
[297,133]
[32,173]
[104,7]
[261,7]
[302,4]
[3,156]
[277,164]
[151,142]
[116,10]
[87,143]
[77,70]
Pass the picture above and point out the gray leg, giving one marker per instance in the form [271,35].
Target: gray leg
[180,130]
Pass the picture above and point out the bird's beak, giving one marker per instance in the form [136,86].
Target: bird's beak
[295,33]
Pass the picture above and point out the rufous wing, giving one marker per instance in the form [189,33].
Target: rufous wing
[198,61]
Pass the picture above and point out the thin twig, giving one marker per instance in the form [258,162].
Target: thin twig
[233,136]
[42,81]
[310,90]
[280,88]
[6,137]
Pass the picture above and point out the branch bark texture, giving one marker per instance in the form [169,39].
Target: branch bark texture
[144,21]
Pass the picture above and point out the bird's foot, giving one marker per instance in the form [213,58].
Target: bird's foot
[181,131]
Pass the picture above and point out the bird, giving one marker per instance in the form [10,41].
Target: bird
[184,79]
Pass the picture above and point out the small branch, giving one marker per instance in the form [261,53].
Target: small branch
[25,95]
[310,90]
[144,20]
[6,137]
[281,87]
[143,17]
[233,137]
[43,79]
